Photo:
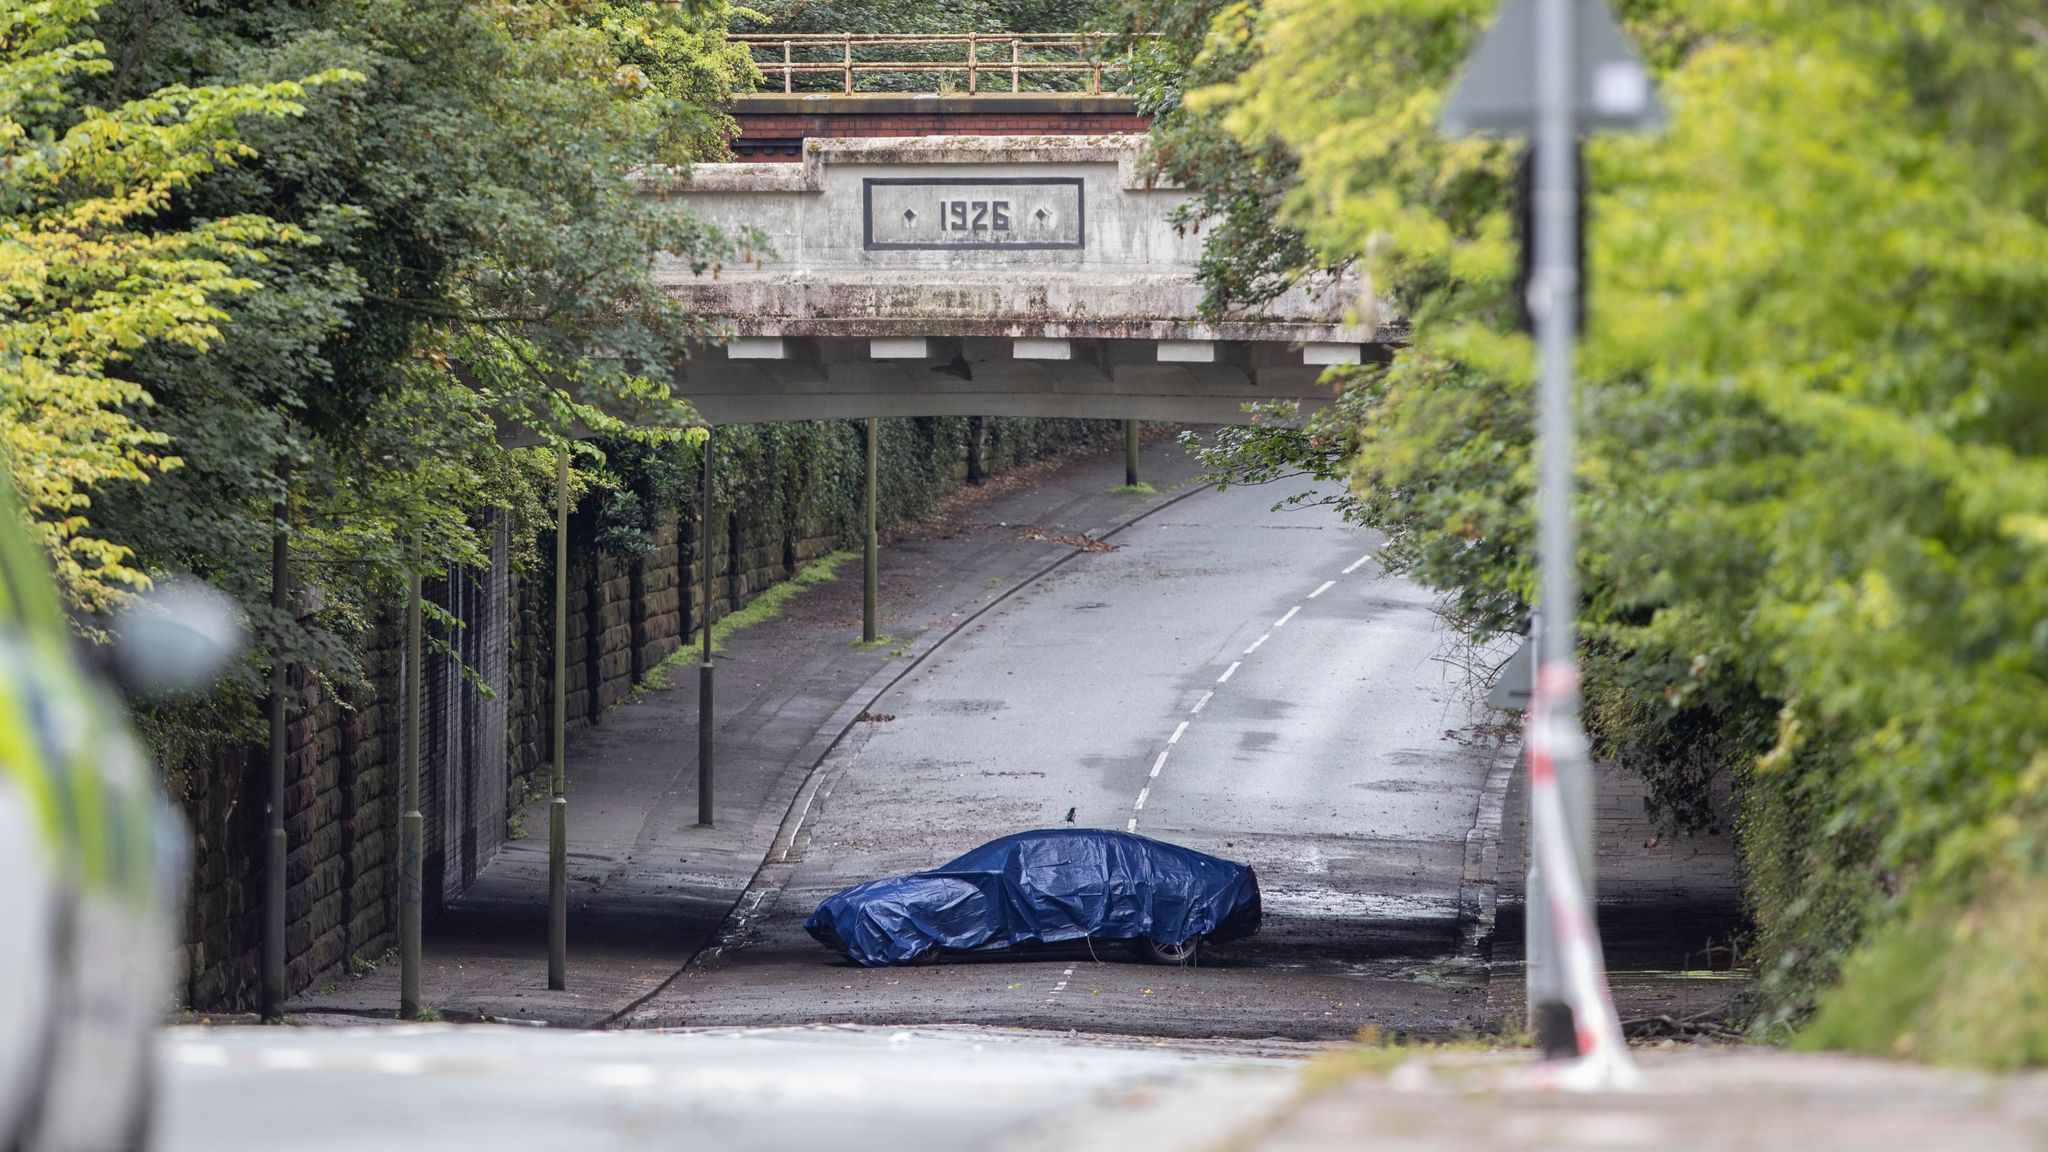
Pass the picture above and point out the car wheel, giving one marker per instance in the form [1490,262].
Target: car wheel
[1180,954]
[141,1135]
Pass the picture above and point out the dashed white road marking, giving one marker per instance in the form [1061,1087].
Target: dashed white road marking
[398,1063]
[624,1076]
[200,1055]
[1145,793]
[1061,986]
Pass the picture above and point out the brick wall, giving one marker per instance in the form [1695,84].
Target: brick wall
[341,819]
[774,127]
[483,748]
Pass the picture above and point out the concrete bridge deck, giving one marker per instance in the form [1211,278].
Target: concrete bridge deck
[986,275]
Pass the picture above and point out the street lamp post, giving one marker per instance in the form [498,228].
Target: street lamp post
[1581,73]
[558,801]
[1554,290]
[870,546]
[412,827]
[274,842]
[705,724]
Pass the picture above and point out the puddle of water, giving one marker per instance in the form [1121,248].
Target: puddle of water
[1327,903]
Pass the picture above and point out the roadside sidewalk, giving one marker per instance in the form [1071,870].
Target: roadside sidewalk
[648,888]
[1670,911]
[1692,1098]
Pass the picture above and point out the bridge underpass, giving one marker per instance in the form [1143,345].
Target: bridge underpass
[1035,276]
[1031,276]
[1358,833]
[886,288]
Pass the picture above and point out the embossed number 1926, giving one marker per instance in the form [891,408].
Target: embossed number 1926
[974,215]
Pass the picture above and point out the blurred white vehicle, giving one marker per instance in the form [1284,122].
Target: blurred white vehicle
[91,863]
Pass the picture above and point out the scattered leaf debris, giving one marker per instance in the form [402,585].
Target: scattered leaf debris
[1084,543]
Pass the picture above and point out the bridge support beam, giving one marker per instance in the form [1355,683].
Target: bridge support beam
[1130,453]
[843,378]
[870,548]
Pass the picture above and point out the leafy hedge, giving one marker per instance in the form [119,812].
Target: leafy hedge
[810,475]
[1812,485]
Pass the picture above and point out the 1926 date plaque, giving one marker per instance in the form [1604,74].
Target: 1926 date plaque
[1024,213]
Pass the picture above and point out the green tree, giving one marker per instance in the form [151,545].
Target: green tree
[91,278]
[1812,480]
[483,262]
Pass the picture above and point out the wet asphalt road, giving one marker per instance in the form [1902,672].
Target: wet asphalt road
[1232,678]
[481,1087]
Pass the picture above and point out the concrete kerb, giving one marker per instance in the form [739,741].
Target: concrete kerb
[1479,888]
[782,857]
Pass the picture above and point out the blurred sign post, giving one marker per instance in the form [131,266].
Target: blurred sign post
[1546,70]
[1515,682]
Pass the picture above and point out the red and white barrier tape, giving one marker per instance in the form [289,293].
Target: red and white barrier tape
[1603,1061]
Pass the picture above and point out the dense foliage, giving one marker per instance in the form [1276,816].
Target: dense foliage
[904,17]
[1815,405]
[319,259]
[91,277]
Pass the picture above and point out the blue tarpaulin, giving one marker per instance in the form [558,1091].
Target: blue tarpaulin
[1043,887]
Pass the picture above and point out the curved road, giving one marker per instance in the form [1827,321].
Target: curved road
[1240,680]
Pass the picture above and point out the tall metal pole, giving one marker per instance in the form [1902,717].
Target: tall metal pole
[273,811]
[1130,453]
[870,548]
[412,826]
[558,805]
[1555,290]
[706,722]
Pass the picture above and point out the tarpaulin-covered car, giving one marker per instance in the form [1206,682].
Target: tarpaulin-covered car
[1047,887]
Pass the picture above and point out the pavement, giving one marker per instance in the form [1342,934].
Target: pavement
[1192,664]
[1236,679]
[1708,1099]
[758,1090]
[648,887]
[1672,921]
[967,1089]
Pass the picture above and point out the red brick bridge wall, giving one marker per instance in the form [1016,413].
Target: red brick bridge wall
[774,126]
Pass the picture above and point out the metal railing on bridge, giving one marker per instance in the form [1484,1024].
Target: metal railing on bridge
[1014,62]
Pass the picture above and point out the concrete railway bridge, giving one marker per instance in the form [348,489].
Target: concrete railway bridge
[984,275]
[982,254]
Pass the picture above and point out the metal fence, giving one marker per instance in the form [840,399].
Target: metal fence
[935,62]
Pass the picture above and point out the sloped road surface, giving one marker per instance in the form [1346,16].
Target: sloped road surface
[1241,680]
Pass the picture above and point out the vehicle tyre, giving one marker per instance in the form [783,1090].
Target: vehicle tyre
[141,1135]
[1182,954]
